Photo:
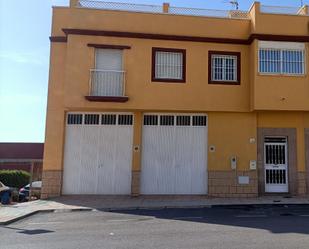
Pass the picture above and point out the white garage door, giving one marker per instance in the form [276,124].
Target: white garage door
[98,153]
[174,154]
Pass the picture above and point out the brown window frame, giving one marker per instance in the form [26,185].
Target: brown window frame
[224,82]
[153,66]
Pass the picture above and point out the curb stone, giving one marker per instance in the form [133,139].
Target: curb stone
[21,217]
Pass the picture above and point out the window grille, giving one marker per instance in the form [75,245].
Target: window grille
[92,119]
[108,119]
[168,65]
[183,120]
[74,119]
[151,120]
[281,61]
[224,67]
[167,120]
[125,119]
[199,120]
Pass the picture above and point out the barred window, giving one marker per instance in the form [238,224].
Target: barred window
[281,61]
[224,67]
[168,65]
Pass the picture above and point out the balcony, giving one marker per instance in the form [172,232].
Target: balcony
[107,86]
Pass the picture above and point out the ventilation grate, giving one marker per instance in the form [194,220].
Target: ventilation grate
[92,119]
[125,119]
[151,120]
[75,119]
[199,121]
[183,120]
[108,119]
[167,120]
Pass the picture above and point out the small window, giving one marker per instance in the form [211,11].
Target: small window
[224,67]
[167,120]
[92,119]
[108,119]
[74,119]
[125,119]
[151,120]
[168,65]
[183,120]
[199,120]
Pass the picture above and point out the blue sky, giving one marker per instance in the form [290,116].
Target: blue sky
[24,60]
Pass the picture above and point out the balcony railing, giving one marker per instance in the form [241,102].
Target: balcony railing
[288,10]
[157,9]
[107,83]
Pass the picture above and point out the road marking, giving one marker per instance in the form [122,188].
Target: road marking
[251,216]
[45,223]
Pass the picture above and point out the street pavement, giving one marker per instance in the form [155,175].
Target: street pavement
[230,227]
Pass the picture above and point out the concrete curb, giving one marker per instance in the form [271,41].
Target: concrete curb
[111,209]
[21,217]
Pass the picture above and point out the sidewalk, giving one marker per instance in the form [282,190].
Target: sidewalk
[11,213]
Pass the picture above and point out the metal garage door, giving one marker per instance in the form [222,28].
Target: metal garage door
[98,153]
[174,154]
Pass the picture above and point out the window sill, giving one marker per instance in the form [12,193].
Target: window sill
[120,99]
[232,83]
[168,80]
[282,75]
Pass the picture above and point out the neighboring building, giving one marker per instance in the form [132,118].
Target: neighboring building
[166,100]
[22,156]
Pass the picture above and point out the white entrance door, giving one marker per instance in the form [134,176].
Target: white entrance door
[98,153]
[276,165]
[174,154]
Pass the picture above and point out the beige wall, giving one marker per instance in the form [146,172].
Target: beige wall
[196,94]
[230,133]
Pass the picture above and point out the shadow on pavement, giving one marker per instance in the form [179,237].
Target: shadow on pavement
[30,231]
[274,219]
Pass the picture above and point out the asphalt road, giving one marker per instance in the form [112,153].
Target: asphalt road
[213,228]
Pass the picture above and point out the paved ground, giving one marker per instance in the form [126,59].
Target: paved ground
[236,227]
[12,212]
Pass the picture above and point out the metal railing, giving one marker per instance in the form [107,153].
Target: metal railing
[207,12]
[120,6]
[156,9]
[107,83]
[280,10]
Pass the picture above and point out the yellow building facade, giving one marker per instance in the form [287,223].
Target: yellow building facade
[153,100]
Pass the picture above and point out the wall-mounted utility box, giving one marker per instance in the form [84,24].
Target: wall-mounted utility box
[252,164]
